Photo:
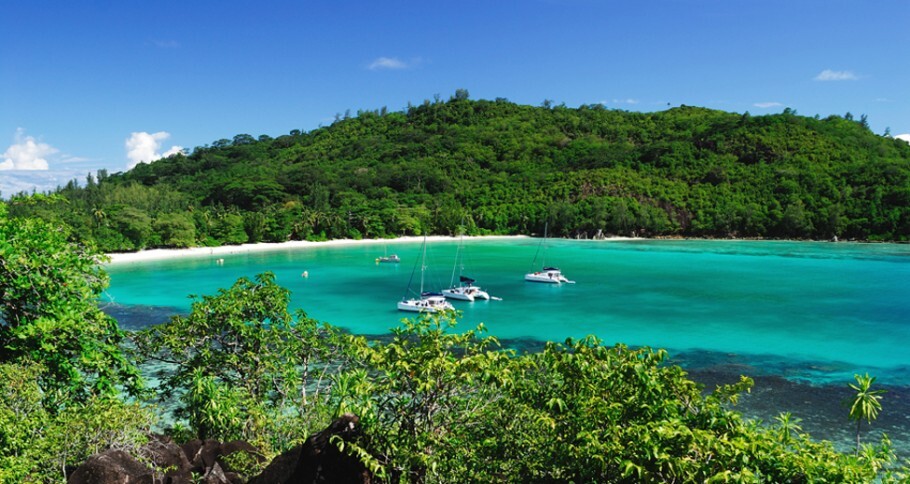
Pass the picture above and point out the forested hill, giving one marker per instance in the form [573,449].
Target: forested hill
[500,167]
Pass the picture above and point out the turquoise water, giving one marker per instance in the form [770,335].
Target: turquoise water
[803,317]
[842,307]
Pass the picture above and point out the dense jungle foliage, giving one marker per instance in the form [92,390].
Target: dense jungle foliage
[502,168]
[435,405]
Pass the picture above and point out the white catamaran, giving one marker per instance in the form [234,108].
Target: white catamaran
[465,290]
[549,274]
[428,302]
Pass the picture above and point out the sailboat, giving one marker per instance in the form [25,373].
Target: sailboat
[549,274]
[428,302]
[466,290]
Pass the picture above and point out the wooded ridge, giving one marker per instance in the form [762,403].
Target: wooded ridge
[496,167]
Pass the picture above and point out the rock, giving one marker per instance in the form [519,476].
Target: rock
[280,469]
[191,449]
[318,461]
[209,453]
[232,447]
[112,467]
[215,475]
[180,464]
[202,455]
[166,455]
[322,462]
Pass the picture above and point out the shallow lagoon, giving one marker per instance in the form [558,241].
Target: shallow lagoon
[801,317]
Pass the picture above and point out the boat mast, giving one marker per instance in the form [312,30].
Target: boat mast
[422,267]
[546,225]
[458,252]
[423,264]
[541,245]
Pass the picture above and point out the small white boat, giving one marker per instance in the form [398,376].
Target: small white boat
[429,302]
[467,291]
[547,275]
[388,258]
[550,275]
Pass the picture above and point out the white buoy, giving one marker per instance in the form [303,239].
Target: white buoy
[305,274]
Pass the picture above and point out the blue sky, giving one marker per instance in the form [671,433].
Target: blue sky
[105,84]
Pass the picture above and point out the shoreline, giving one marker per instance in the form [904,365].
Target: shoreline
[148,255]
[168,254]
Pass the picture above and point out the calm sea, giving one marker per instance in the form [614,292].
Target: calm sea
[800,317]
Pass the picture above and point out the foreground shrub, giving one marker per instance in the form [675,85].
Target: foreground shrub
[40,446]
[443,407]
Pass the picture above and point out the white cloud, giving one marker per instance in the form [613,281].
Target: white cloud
[625,101]
[905,137]
[387,63]
[142,147]
[173,151]
[73,159]
[26,153]
[829,75]
[40,181]
[767,105]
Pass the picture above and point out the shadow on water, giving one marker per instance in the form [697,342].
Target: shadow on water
[821,406]
[134,318]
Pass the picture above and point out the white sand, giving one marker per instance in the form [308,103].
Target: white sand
[161,254]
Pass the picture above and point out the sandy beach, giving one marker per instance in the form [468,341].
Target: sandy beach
[162,254]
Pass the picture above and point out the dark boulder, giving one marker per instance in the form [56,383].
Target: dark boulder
[280,469]
[228,449]
[318,460]
[321,461]
[166,455]
[202,454]
[112,467]
[191,449]
[168,463]
[208,461]
[215,475]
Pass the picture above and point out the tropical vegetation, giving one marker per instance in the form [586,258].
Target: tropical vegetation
[435,404]
[503,168]
[68,388]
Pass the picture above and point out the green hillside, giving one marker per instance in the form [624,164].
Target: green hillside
[503,168]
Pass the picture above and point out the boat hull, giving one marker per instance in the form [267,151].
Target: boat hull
[544,280]
[547,277]
[425,305]
[452,294]
[465,293]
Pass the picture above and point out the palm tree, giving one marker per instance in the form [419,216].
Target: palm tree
[99,215]
[865,404]
[788,425]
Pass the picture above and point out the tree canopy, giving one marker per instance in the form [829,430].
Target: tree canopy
[49,285]
[66,382]
[504,168]
[246,367]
